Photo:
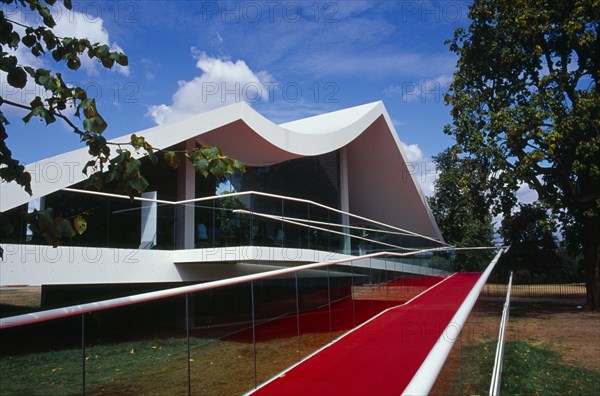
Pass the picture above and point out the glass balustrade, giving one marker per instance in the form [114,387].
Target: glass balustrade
[468,368]
[228,220]
[207,339]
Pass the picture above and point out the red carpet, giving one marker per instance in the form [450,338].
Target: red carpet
[381,357]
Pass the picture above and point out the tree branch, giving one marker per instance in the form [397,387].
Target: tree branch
[25,107]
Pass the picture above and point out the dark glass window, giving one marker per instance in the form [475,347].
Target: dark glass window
[314,178]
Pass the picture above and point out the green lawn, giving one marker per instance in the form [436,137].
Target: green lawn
[224,367]
[60,372]
[528,370]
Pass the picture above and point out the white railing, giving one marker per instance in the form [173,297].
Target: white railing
[497,371]
[188,292]
[427,374]
[263,194]
[57,313]
[308,224]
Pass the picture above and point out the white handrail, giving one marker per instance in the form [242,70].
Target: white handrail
[497,371]
[300,224]
[325,223]
[58,313]
[236,194]
[425,377]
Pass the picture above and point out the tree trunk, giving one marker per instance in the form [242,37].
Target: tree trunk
[591,258]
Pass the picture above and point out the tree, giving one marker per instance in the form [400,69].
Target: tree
[529,232]
[526,105]
[459,208]
[122,166]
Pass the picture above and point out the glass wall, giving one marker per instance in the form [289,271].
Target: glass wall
[228,220]
[224,340]
[312,178]
[308,218]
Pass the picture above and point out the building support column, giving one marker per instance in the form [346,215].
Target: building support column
[186,189]
[345,199]
[149,220]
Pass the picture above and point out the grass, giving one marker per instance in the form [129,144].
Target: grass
[159,367]
[152,367]
[531,370]
[60,372]
[528,370]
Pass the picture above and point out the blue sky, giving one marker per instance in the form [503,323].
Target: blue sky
[289,59]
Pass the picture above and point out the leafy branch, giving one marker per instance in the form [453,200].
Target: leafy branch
[122,167]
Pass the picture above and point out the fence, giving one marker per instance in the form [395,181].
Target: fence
[566,290]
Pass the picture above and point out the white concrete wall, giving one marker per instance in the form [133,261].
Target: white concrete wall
[34,265]
[37,264]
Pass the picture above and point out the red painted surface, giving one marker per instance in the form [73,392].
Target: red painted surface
[382,356]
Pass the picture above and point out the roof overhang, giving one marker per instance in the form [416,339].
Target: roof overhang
[381,185]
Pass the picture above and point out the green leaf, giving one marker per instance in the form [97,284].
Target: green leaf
[102,51]
[172,159]
[8,63]
[95,124]
[74,63]
[107,62]
[30,71]
[29,40]
[48,82]
[139,184]
[132,168]
[46,15]
[123,60]
[152,157]
[218,168]
[6,28]
[14,40]
[50,39]
[237,165]
[96,181]
[65,228]
[210,152]
[201,166]
[17,77]
[79,224]
[58,54]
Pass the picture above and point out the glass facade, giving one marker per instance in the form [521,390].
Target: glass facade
[313,178]
[229,216]
[228,221]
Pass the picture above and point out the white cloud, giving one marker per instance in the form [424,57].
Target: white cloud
[76,24]
[421,167]
[68,24]
[412,151]
[526,195]
[340,63]
[421,90]
[397,123]
[149,67]
[221,82]
[26,94]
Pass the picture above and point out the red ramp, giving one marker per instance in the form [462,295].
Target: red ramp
[382,356]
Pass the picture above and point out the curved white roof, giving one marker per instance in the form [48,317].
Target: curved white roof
[379,178]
